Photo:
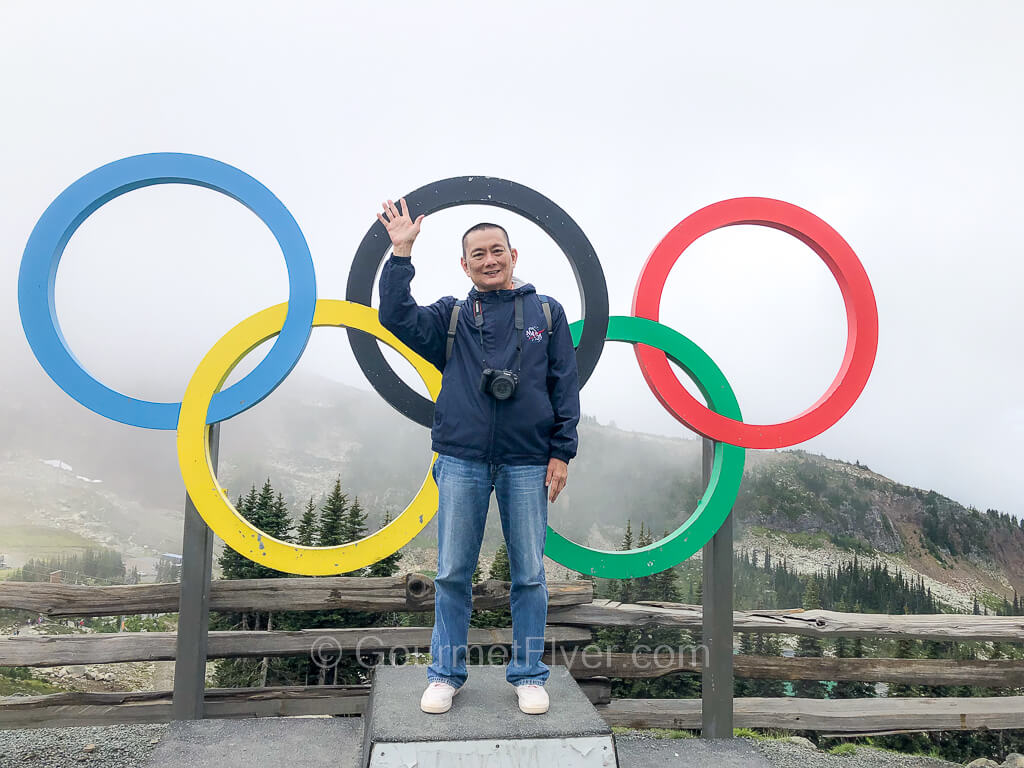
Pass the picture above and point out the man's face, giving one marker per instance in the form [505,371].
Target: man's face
[488,261]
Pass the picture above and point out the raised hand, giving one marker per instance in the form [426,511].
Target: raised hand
[401,228]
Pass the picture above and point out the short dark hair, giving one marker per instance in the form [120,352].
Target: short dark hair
[481,226]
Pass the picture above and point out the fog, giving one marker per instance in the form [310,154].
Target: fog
[897,123]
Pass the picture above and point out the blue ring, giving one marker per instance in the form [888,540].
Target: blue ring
[76,203]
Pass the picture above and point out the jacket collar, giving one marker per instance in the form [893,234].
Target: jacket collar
[519,288]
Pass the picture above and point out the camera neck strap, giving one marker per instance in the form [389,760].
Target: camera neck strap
[478,321]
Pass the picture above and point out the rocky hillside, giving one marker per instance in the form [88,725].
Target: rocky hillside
[62,467]
[824,503]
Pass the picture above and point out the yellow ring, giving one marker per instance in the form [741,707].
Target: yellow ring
[211,501]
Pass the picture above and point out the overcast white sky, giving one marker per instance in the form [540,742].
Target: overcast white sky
[900,124]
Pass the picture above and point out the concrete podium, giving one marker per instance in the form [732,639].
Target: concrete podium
[484,727]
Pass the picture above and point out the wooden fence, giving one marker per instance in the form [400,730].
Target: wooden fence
[573,614]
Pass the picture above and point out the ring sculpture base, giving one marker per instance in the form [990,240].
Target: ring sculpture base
[484,727]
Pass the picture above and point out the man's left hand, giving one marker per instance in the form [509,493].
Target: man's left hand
[558,473]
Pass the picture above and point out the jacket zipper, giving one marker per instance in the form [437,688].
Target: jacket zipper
[494,407]
[494,419]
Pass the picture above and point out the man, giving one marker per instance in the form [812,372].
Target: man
[505,420]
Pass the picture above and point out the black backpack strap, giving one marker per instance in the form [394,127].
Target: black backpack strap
[452,325]
[546,306]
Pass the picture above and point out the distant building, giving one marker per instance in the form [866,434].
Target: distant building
[3,562]
[168,567]
[56,577]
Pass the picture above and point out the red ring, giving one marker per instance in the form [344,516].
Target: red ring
[861,317]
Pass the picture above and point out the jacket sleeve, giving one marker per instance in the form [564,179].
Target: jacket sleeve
[422,329]
[563,387]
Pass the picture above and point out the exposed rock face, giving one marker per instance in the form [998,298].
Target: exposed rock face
[821,501]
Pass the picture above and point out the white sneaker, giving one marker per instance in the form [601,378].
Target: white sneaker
[533,699]
[437,699]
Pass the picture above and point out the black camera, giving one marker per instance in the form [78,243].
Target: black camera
[500,385]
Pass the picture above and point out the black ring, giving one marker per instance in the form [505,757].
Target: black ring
[477,190]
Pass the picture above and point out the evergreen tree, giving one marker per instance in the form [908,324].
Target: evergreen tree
[905,742]
[340,525]
[389,565]
[501,568]
[744,686]
[334,529]
[656,645]
[354,522]
[810,647]
[232,564]
[767,645]
[851,689]
[306,534]
[269,513]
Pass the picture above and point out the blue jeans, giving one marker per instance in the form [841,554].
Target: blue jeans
[465,493]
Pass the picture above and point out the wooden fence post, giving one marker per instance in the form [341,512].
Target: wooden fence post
[194,611]
[716,677]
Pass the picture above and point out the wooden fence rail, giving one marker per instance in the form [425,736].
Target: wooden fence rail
[996,673]
[412,592]
[860,716]
[572,615]
[839,716]
[572,649]
[570,603]
[942,626]
[59,650]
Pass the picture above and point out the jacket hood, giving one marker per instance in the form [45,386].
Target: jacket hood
[519,288]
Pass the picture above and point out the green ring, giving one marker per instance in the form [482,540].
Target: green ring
[726,473]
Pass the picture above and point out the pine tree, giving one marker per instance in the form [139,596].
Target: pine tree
[342,524]
[280,522]
[306,534]
[743,686]
[663,645]
[332,518]
[768,645]
[269,513]
[905,742]
[810,647]
[232,564]
[389,565]
[666,584]
[354,522]
[623,589]
[501,568]
[851,689]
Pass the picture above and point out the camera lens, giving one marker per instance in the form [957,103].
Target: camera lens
[502,387]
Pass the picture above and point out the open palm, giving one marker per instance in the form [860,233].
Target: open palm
[402,229]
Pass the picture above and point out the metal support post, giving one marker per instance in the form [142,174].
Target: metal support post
[194,608]
[717,676]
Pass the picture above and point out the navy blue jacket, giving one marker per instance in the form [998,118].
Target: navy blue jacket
[539,421]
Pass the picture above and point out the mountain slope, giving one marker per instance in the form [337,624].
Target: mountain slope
[312,430]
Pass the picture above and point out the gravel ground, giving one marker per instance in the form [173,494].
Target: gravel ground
[785,755]
[128,746]
[122,746]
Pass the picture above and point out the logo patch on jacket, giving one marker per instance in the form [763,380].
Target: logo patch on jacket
[533,333]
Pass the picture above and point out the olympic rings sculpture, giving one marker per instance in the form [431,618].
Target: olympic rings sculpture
[204,402]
